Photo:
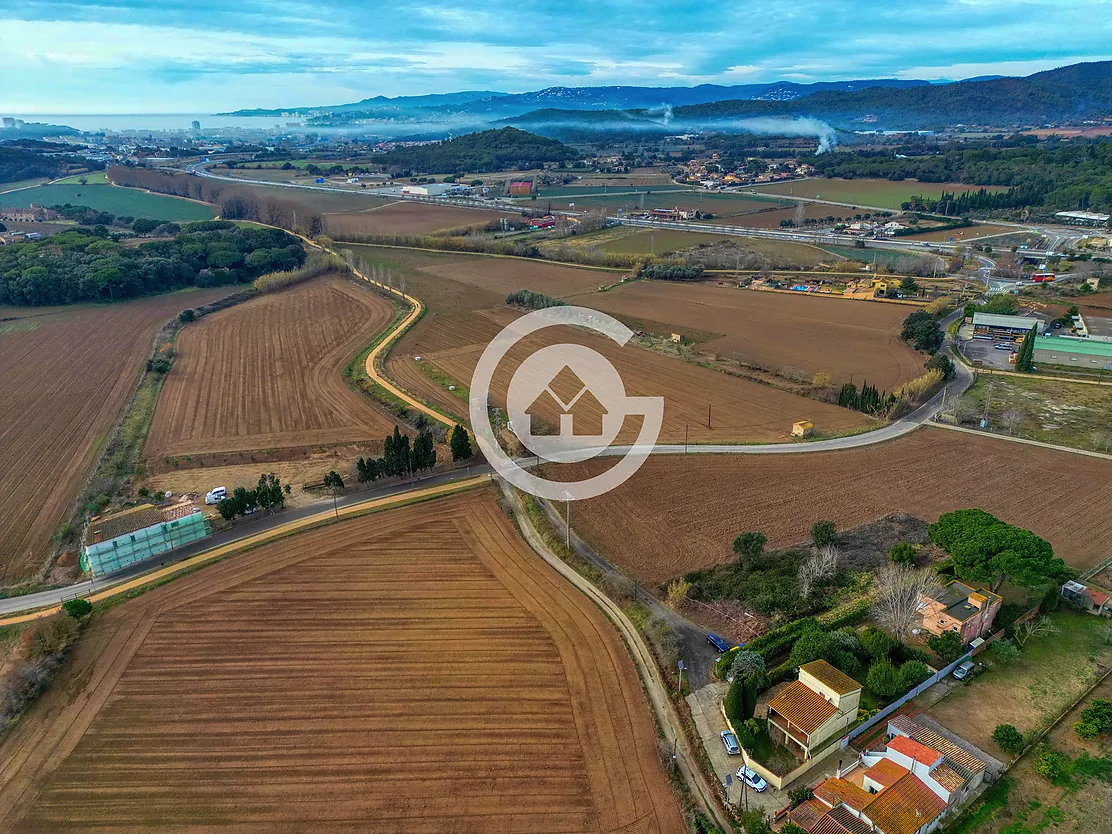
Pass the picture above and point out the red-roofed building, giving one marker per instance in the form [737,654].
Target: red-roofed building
[1091,599]
[906,751]
[905,789]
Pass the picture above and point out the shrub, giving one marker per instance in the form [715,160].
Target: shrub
[876,642]
[1099,715]
[750,545]
[78,608]
[797,796]
[49,636]
[883,679]
[734,704]
[746,662]
[947,646]
[1006,651]
[1052,764]
[811,645]
[912,674]
[1008,737]
[902,553]
[1086,730]
[845,615]
[823,533]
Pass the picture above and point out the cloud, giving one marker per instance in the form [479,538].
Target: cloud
[88,55]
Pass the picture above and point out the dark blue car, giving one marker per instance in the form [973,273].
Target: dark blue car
[718,643]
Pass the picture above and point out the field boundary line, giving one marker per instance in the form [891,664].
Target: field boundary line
[655,687]
[1024,441]
[481,255]
[251,542]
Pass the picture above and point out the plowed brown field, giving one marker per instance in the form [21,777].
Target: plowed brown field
[404,217]
[418,670]
[64,378]
[778,331]
[681,513]
[269,374]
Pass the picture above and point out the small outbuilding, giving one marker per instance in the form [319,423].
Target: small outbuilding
[803,428]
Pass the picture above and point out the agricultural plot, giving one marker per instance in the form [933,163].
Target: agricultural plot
[404,217]
[773,218]
[307,685]
[804,335]
[1030,694]
[700,405]
[1063,413]
[658,241]
[128,202]
[269,374]
[1028,802]
[66,375]
[723,206]
[681,513]
[961,235]
[865,192]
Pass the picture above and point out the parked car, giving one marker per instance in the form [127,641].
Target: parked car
[730,740]
[718,643]
[964,670]
[752,779]
[216,495]
[1004,346]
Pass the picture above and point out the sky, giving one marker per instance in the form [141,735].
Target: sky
[205,56]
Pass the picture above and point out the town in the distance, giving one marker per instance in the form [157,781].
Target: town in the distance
[283,550]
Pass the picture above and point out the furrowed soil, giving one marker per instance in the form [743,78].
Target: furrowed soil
[418,670]
[66,375]
[777,331]
[465,298]
[269,374]
[404,217]
[681,513]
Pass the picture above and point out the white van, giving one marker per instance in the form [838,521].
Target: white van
[217,495]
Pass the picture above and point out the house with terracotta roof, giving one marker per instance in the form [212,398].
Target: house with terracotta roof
[958,607]
[820,705]
[1087,598]
[907,788]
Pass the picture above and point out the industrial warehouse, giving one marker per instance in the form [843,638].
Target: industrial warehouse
[993,326]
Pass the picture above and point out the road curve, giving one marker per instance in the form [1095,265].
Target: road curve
[655,687]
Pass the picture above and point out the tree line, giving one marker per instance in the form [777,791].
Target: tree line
[268,494]
[489,150]
[533,300]
[78,265]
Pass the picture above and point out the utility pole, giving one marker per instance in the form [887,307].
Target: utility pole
[685,427]
[567,520]
[708,414]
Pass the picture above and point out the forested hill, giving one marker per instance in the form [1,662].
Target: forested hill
[1056,175]
[28,159]
[1065,94]
[492,150]
[85,265]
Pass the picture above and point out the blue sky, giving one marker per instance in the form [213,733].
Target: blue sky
[174,56]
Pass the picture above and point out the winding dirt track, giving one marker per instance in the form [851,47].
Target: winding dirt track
[268,374]
[418,670]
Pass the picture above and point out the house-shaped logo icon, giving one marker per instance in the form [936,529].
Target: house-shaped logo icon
[580,412]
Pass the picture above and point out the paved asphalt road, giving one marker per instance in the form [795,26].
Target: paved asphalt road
[245,529]
[899,428]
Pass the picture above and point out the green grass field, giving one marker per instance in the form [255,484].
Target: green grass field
[91,178]
[881,193]
[658,241]
[128,202]
[573,191]
[12,186]
[721,205]
[884,257]
[1066,413]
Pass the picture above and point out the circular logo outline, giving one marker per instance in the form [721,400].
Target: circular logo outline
[651,408]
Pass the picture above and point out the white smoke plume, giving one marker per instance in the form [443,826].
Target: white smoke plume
[799,126]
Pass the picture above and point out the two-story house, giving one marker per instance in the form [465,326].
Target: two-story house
[957,607]
[809,711]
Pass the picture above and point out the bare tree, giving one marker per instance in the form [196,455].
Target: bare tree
[817,567]
[899,590]
[1035,627]
[1101,440]
[963,410]
[1011,419]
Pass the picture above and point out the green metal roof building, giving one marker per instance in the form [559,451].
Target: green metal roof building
[115,541]
[1072,352]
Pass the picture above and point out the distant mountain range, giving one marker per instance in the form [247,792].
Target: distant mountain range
[1080,91]
[495,105]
